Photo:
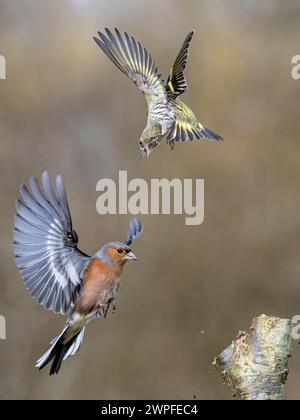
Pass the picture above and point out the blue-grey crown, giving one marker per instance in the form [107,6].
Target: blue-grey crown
[102,253]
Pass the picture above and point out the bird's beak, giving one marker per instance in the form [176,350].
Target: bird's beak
[130,256]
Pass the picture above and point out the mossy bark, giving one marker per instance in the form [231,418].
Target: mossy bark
[255,365]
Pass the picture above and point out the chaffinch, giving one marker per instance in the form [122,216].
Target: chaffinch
[56,273]
[167,116]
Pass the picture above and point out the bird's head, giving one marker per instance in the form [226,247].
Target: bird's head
[116,253]
[150,138]
[121,252]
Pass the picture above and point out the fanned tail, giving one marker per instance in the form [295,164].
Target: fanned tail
[184,131]
[60,350]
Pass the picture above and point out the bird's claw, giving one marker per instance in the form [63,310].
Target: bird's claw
[171,143]
[113,305]
[103,311]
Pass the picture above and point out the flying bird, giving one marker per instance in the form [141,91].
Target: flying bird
[167,116]
[56,273]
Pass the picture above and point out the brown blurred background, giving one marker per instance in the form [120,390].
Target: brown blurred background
[65,108]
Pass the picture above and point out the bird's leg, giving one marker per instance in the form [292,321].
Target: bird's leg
[112,303]
[171,143]
[114,307]
[102,311]
[99,314]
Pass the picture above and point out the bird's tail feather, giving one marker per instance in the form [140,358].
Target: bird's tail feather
[60,351]
[185,131]
[211,135]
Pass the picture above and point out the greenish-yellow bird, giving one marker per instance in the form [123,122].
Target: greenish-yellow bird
[167,116]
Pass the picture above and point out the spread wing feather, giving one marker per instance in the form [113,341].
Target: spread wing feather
[176,84]
[45,245]
[133,60]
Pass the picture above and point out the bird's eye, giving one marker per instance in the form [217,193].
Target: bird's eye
[120,250]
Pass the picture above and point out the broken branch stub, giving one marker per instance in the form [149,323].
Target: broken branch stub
[255,365]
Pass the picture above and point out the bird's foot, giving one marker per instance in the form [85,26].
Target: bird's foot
[171,143]
[103,310]
[112,303]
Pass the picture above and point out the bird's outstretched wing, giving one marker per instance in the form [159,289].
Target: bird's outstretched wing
[133,60]
[187,127]
[135,230]
[45,245]
[176,84]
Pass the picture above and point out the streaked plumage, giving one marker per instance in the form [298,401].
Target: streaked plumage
[56,273]
[167,116]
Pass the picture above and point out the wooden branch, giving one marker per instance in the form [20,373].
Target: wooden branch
[255,365]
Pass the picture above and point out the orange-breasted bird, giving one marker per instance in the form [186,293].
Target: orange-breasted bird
[56,273]
[167,116]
